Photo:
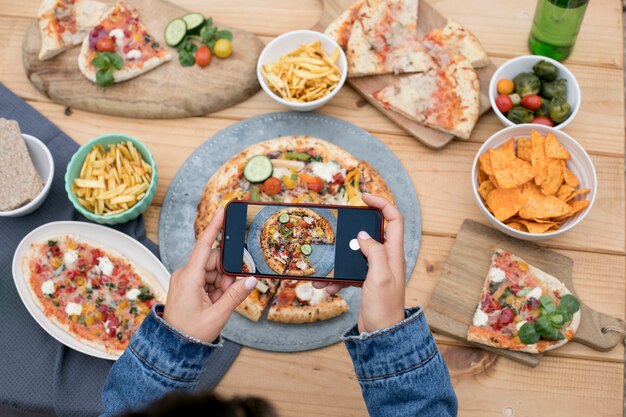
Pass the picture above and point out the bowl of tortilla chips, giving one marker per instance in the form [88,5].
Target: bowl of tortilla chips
[533,182]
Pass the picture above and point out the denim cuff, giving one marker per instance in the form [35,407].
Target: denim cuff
[388,352]
[179,357]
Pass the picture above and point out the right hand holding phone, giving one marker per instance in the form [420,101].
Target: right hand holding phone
[382,299]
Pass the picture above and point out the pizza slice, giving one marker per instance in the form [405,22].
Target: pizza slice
[522,308]
[252,307]
[384,40]
[65,23]
[300,302]
[120,48]
[340,28]
[277,255]
[455,38]
[447,99]
[299,265]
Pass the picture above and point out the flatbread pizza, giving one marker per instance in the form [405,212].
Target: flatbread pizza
[90,291]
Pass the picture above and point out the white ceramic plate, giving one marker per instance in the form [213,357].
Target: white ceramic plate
[132,250]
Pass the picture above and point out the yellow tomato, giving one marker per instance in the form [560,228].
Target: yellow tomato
[290,182]
[99,316]
[223,48]
[505,86]
[80,281]
[56,262]
[89,321]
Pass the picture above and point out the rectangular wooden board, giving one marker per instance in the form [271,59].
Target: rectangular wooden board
[429,19]
[452,306]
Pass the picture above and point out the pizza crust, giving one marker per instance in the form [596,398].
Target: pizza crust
[308,314]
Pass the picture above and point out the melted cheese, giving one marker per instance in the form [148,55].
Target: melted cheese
[326,170]
[73,309]
[105,265]
[47,287]
[118,34]
[133,54]
[318,296]
[304,291]
[534,293]
[132,294]
[69,258]
[480,318]
[496,275]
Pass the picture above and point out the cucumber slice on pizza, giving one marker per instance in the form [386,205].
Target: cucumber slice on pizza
[119,48]
[522,308]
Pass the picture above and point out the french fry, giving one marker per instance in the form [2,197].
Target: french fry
[112,180]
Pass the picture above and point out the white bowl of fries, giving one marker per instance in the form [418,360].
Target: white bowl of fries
[302,69]
[111,179]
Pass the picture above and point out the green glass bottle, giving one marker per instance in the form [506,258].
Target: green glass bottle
[555,27]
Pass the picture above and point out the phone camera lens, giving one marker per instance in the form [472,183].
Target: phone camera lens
[227,237]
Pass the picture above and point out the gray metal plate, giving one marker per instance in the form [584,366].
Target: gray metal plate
[176,232]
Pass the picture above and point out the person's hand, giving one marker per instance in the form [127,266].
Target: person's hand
[200,298]
[382,298]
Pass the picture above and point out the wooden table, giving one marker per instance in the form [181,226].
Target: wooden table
[574,380]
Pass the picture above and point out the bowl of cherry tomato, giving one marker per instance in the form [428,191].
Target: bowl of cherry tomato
[534,89]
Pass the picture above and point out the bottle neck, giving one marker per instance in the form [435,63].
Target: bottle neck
[569,4]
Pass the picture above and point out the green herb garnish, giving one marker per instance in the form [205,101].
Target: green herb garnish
[106,62]
[548,325]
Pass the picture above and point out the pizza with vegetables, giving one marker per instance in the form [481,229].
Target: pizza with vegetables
[252,307]
[65,23]
[522,308]
[291,169]
[88,290]
[287,236]
[119,48]
[300,302]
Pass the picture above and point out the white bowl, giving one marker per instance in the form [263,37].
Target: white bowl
[44,164]
[288,42]
[525,63]
[580,164]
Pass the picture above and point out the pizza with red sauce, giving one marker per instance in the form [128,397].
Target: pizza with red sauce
[96,295]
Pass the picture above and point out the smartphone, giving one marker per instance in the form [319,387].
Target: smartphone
[310,241]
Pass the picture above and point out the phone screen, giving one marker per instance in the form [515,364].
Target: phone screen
[307,241]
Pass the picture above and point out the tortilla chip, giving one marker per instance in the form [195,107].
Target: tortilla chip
[570,178]
[576,206]
[530,189]
[517,226]
[564,192]
[538,156]
[543,207]
[516,173]
[501,157]
[485,163]
[524,149]
[493,180]
[554,178]
[505,203]
[482,176]
[536,227]
[554,149]
[577,193]
[485,188]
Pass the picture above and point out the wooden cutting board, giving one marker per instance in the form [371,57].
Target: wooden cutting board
[429,19]
[166,92]
[452,306]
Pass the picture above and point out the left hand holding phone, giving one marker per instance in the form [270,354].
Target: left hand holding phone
[201,299]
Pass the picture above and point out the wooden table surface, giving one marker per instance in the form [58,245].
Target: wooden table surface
[574,380]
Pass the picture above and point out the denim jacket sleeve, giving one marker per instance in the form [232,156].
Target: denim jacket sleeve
[401,371]
[158,359]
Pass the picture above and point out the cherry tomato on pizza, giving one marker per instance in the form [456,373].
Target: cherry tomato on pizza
[272,186]
[105,45]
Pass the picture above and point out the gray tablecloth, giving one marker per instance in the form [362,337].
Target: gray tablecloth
[38,375]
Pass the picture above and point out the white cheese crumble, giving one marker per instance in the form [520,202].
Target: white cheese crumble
[519,325]
[301,264]
[318,296]
[279,172]
[73,309]
[47,287]
[69,258]
[326,170]
[133,54]
[118,34]
[133,294]
[105,265]
[496,275]
[262,287]
[534,293]
[480,318]
[304,291]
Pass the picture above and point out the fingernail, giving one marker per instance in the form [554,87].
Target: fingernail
[220,208]
[363,235]
[250,283]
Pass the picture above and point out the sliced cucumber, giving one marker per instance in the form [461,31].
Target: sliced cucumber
[284,218]
[306,249]
[175,32]
[259,168]
[193,21]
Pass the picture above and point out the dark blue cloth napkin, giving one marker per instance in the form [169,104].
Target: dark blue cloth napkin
[38,375]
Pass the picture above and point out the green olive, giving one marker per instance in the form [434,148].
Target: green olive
[552,89]
[519,114]
[559,109]
[545,70]
[527,83]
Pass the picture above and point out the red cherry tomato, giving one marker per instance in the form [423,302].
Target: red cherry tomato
[272,186]
[504,103]
[315,185]
[506,316]
[543,120]
[203,56]
[105,45]
[531,102]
